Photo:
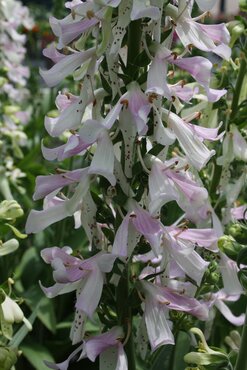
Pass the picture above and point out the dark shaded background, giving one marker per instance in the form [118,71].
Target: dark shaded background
[47,3]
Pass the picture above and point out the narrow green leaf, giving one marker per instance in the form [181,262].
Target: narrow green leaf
[46,312]
[22,332]
[181,348]
[36,354]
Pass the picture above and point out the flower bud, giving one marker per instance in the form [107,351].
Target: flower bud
[10,109]
[52,113]
[3,81]
[236,29]
[243,5]
[233,340]
[238,231]
[235,336]
[206,355]
[229,246]
[10,209]
[8,247]
[213,266]
[200,358]
[213,278]
[8,358]
[11,311]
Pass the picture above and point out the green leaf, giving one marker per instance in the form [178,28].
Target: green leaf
[46,311]
[30,267]
[242,275]
[162,358]
[46,314]
[36,354]
[156,149]
[243,5]
[181,348]
[242,257]
[22,332]
[17,233]
[142,59]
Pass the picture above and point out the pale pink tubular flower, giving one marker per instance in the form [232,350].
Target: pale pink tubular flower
[167,184]
[107,345]
[198,67]
[66,66]
[71,273]
[206,133]
[47,184]
[239,213]
[218,300]
[136,103]
[68,29]
[196,152]
[239,144]
[52,53]
[183,92]
[73,3]
[39,220]
[156,81]
[103,159]
[229,272]
[17,14]
[17,73]
[71,110]
[157,78]
[158,301]
[136,223]
[206,238]
[175,255]
[84,16]
[69,119]
[65,364]
[74,146]
[214,38]
[186,257]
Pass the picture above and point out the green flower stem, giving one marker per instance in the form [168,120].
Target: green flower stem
[238,87]
[215,179]
[130,350]
[234,109]
[125,316]
[124,309]
[241,363]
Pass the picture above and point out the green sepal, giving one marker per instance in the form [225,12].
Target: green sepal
[17,233]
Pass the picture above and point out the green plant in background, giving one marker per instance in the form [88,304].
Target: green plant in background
[151,226]
[116,76]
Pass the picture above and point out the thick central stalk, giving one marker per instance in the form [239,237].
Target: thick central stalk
[125,315]
[242,356]
[134,44]
[123,307]
[238,87]
[234,110]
